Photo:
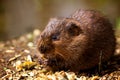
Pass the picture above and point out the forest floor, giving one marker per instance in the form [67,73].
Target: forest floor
[19,61]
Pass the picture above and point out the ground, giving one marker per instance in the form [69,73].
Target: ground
[19,60]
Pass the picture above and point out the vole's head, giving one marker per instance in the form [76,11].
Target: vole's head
[61,38]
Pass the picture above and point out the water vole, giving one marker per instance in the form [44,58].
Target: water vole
[75,43]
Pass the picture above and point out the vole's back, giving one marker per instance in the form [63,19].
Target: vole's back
[100,32]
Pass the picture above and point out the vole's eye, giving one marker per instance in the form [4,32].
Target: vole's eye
[55,37]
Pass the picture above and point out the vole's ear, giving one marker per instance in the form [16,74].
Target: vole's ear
[73,29]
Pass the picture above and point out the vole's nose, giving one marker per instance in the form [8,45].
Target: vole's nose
[42,49]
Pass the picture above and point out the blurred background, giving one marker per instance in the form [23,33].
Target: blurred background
[18,17]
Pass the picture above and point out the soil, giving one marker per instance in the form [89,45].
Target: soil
[19,61]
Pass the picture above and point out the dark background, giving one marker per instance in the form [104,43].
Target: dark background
[18,17]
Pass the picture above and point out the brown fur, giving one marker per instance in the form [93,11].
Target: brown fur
[79,41]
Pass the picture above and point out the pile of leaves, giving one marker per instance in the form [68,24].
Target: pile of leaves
[19,60]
